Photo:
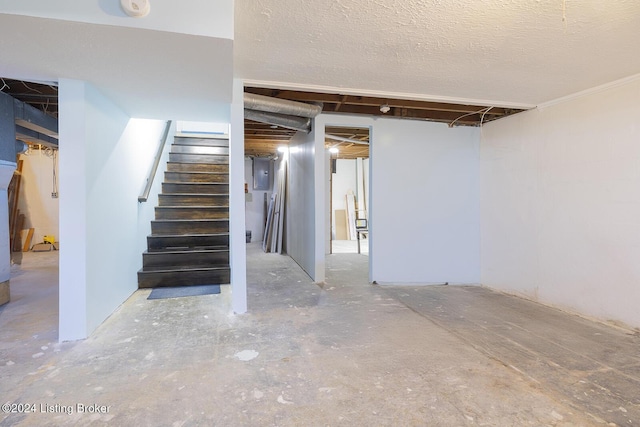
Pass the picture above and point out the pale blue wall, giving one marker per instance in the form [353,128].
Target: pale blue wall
[425,202]
[104,160]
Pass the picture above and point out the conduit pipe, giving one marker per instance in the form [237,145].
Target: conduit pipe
[280,106]
[290,122]
[339,138]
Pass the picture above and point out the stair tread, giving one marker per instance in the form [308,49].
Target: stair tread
[199,172]
[223,233]
[183,251]
[190,220]
[172,249]
[193,207]
[175,162]
[182,269]
[196,183]
[193,194]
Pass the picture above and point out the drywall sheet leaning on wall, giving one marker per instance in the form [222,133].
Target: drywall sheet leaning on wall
[300,234]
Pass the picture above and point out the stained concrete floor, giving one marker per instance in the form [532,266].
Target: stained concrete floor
[349,353]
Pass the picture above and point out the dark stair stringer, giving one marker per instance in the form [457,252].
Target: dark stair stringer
[189,240]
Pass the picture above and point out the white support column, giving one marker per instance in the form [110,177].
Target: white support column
[73,227]
[238,250]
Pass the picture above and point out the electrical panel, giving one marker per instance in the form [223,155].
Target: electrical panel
[261,174]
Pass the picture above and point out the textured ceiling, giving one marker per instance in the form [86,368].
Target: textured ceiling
[489,52]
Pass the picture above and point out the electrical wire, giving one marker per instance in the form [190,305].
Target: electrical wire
[483,110]
[483,114]
[30,88]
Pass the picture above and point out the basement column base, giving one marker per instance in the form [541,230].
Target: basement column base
[4,292]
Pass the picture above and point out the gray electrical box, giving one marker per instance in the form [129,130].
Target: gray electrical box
[261,174]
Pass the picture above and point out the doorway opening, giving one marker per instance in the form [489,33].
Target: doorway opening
[348,149]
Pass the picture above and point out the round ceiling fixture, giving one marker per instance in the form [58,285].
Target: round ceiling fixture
[136,8]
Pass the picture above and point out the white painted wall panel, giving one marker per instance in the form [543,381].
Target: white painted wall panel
[197,17]
[72,126]
[560,210]
[424,203]
[104,161]
[237,224]
[343,180]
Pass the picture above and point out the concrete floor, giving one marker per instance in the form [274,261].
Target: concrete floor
[350,246]
[349,353]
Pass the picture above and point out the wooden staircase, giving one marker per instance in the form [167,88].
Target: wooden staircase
[189,240]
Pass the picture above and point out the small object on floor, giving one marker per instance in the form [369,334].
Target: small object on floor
[42,247]
[183,291]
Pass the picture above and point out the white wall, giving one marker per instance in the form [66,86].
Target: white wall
[212,18]
[424,203]
[560,211]
[301,212]
[255,208]
[104,160]
[342,181]
[237,243]
[36,186]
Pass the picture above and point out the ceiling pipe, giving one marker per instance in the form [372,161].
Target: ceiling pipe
[302,124]
[340,138]
[280,106]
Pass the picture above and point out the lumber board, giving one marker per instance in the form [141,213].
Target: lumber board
[27,240]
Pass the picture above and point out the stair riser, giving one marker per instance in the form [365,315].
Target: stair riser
[153,279]
[196,167]
[193,200]
[198,158]
[188,227]
[159,243]
[196,188]
[195,177]
[193,259]
[204,142]
[192,213]
[190,149]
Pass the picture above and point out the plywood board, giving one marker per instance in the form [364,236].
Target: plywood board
[340,216]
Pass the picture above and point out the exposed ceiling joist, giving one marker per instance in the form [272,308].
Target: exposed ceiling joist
[451,114]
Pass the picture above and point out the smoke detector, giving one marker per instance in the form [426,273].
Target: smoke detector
[384,108]
[136,8]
